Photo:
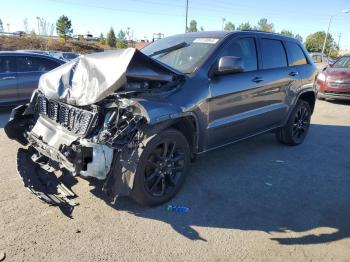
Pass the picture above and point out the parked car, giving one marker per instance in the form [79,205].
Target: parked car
[321,60]
[20,33]
[20,73]
[334,81]
[65,56]
[136,119]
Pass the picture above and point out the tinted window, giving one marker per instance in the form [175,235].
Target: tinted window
[317,59]
[343,62]
[295,54]
[7,64]
[245,49]
[35,64]
[273,54]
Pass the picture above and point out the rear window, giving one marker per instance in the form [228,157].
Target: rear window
[7,64]
[296,55]
[35,64]
[273,54]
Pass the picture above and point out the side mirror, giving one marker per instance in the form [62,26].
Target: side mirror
[229,65]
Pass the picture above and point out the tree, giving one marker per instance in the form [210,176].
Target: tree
[298,37]
[245,26]
[111,39]
[263,25]
[1,26]
[45,27]
[121,39]
[287,33]
[229,26]
[64,27]
[102,39]
[193,26]
[314,43]
[202,29]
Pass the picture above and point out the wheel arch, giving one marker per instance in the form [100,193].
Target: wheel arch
[310,97]
[186,123]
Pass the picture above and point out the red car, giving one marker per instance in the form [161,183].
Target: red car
[334,81]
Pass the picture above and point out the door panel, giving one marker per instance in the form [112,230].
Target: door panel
[240,107]
[30,68]
[245,104]
[234,97]
[27,83]
[8,80]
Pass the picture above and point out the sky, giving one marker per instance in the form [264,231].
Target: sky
[146,17]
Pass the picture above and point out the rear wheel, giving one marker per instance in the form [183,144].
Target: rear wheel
[295,131]
[162,168]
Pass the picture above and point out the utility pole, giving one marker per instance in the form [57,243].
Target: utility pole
[186,15]
[339,36]
[223,23]
[329,25]
[325,39]
[38,18]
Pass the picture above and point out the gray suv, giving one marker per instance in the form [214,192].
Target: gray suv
[20,73]
[136,119]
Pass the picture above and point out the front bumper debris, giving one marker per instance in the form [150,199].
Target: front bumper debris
[43,184]
[94,141]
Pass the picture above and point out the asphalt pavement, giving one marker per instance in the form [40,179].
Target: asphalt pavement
[256,200]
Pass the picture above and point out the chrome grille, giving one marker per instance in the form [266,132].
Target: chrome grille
[74,119]
[339,85]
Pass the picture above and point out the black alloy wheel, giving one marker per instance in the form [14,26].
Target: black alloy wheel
[162,168]
[296,129]
[301,123]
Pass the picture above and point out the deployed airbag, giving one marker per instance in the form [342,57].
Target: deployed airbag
[90,78]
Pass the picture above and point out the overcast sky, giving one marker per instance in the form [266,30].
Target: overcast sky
[146,17]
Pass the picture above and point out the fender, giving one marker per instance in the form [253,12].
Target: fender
[296,99]
[161,114]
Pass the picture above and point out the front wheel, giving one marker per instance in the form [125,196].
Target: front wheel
[295,131]
[162,168]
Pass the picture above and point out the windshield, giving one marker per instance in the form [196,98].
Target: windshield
[343,62]
[181,52]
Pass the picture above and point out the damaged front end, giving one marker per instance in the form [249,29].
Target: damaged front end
[66,128]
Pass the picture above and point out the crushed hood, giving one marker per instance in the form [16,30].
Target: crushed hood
[90,78]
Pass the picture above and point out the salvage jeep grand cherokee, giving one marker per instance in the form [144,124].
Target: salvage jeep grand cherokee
[135,119]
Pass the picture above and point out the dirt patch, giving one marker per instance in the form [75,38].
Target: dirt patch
[10,43]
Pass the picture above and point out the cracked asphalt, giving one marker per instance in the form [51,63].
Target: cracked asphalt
[255,201]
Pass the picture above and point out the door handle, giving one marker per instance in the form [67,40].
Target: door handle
[257,79]
[293,73]
[8,77]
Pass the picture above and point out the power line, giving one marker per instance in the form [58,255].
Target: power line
[190,5]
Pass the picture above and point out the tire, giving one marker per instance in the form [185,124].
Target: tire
[161,173]
[296,129]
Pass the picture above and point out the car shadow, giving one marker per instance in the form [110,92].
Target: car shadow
[338,102]
[261,185]
[5,113]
